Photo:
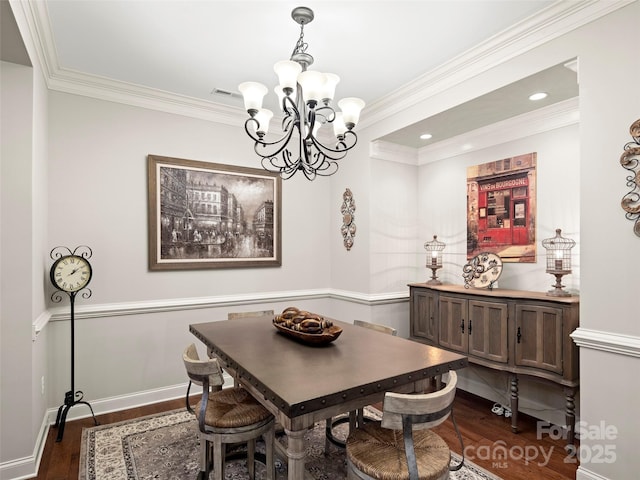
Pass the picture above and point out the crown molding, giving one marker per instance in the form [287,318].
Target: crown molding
[35,22]
[548,24]
[545,119]
[559,18]
[103,88]
[381,150]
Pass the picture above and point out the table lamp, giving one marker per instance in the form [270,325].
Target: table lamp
[558,261]
[434,250]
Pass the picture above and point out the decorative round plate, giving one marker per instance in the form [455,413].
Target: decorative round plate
[482,271]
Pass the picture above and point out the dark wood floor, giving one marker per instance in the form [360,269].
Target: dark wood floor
[485,436]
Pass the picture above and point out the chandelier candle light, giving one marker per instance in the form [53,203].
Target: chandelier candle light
[306,100]
[558,261]
[434,250]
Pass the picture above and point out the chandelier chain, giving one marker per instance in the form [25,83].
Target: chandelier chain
[301,45]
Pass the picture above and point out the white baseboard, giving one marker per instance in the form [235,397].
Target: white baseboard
[122,402]
[584,474]
[27,467]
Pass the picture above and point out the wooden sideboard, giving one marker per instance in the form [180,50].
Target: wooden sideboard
[520,332]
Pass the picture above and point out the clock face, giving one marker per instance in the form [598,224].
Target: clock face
[71,273]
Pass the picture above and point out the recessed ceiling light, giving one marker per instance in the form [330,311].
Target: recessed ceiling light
[425,136]
[538,96]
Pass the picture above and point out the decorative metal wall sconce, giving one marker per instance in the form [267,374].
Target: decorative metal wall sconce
[348,229]
[630,159]
[558,261]
[434,250]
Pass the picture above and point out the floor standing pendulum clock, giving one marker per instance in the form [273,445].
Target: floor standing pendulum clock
[71,273]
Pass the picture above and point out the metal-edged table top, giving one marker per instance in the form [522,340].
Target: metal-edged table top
[299,378]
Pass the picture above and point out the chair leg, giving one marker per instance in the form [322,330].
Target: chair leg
[269,440]
[353,420]
[360,419]
[204,457]
[328,433]
[331,423]
[251,458]
[188,405]
[218,459]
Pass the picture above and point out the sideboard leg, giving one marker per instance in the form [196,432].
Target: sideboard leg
[514,403]
[570,414]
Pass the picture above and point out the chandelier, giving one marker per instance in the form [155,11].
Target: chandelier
[305,98]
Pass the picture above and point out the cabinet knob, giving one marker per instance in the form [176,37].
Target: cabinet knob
[518,335]
[470,327]
[462,325]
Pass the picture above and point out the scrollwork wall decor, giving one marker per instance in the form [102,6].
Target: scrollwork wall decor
[630,160]
[348,228]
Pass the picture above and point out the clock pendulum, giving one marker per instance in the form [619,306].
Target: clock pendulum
[71,273]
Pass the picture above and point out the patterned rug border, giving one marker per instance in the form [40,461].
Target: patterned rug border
[146,424]
[88,431]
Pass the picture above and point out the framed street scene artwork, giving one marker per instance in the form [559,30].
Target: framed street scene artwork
[208,215]
[501,208]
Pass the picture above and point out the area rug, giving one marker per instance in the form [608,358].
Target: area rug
[165,447]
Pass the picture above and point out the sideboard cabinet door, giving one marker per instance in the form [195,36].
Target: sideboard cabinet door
[488,330]
[453,323]
[539,337]
[424,314]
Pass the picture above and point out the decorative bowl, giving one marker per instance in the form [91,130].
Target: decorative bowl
[328,335]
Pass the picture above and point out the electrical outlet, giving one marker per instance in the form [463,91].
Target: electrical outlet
[42,382]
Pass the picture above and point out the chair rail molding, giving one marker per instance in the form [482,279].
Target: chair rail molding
[182,304]
[607,341]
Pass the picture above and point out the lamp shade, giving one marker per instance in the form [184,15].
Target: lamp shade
[287,72]
[263,117]
[339,128]
[351,108]
[253,94]
[329,87]
[312,84]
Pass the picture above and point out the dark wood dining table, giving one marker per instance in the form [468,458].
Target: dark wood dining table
[302,384]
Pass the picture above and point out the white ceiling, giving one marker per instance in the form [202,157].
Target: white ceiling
[192,48]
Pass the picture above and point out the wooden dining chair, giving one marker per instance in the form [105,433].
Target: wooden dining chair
[240,315]
[376,326]
[226,416]
[259,313]
[230,316]
[402,446]
[357,417]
